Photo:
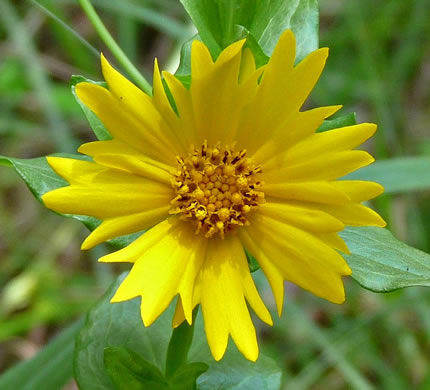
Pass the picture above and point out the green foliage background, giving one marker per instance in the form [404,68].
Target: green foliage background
[378,66]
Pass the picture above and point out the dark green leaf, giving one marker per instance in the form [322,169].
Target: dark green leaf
[345,120]
[99,129]
[120,324]
[50,369]
[381,263]
[397,175]
[129,371]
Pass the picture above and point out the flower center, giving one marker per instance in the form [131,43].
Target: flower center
[216,188]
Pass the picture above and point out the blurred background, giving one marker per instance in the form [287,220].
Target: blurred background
[379,67]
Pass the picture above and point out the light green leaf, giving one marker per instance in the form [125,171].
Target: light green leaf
[99,129]
[120,325]
[381,263]
[50,369]
[222,22]
[398,175]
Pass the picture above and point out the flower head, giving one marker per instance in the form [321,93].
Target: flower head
[233,164]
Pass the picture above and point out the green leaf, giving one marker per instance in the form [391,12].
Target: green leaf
[99,129]
[381,263]
[50,369]
[129,371]
[342,121]
[179,346]
[184,68]
[186,377]
[120,325]
[219,22]
[397,175]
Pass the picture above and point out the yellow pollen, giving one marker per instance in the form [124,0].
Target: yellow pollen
[216,188]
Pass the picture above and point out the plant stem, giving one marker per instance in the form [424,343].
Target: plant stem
[113,46]
[179,346]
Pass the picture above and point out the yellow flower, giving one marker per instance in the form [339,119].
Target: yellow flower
[234,165]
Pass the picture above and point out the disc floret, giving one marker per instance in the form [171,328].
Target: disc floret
[215,188]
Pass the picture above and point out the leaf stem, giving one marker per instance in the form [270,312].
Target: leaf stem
[113,46]
[179,346]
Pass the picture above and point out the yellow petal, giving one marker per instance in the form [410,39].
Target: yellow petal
[293,254]
[358,190]
[179,316]
[354,214]
[119,226]
[116,147]
[181,255]
[184,105]
[126,125]
[282,91]
[111,146]
[272,273]
[312,191]
[337,140]
[298,241]
[201,59]
[335,241]
[132,252]
[327,167]
[224,280]
[270,151]
[216,94]
[134,165]
[141,105]
[102,192]
[163,106]
[310,219]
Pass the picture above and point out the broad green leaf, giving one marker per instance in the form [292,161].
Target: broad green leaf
[381,263]
[120,325]
[129,371]
[50,369]
[398,175]
[99,129]
[218,20]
